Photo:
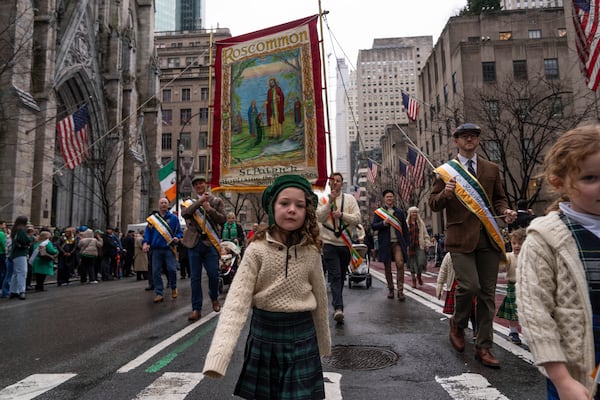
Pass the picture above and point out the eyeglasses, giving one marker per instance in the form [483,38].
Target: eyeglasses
[468,136]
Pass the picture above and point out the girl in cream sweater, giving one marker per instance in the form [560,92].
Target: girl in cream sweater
[281,279]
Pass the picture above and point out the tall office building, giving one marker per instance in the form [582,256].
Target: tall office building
[342,137]
[164,17]
[392,65]
[190,15]
[179,15]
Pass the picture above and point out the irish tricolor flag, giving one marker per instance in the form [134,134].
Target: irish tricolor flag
[168,180]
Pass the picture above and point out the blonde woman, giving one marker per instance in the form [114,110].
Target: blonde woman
[418,244]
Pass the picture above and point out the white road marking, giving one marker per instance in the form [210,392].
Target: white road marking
[333,390]
[148,354]
[171,385]
[437,305]
[470,387]
[33,386]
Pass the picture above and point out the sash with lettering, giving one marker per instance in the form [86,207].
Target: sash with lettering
[389,218]
[471,194]
[163,228]
[204,225]
[344,233]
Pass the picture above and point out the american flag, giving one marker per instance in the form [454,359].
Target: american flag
[73,137]
[411,106]
[417,166]
[371,170]
[357,192]
[585,21]
[404,182]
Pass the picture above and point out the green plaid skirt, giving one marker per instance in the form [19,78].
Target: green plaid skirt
[281,359]
[508,308]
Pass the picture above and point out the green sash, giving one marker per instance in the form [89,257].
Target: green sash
[471,194]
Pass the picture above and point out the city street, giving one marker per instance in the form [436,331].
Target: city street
[109,341]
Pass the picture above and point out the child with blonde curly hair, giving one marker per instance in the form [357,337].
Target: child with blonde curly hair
[558,285]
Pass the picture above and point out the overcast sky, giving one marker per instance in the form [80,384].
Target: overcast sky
[351,25]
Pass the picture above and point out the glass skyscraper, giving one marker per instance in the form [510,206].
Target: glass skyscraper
[179,15]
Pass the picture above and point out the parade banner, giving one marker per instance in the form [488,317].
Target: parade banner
[268,108]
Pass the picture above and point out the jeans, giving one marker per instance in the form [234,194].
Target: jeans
[159,257]
[203,254]
[2,267]
[17,283]
[336,260]
[7,278]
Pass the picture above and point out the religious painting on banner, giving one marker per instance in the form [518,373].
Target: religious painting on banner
[268,108]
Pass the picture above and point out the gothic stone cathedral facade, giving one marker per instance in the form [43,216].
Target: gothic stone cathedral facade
[56,56]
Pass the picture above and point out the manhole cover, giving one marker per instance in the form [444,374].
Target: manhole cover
[360,357]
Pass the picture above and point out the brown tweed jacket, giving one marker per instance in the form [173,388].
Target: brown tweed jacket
[462,226]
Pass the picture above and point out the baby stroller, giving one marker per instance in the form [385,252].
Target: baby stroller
[362,273]
[228,263]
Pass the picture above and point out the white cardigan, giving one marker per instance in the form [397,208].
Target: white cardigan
[553,299]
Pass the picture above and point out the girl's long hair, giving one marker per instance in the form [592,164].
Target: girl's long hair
[20,224]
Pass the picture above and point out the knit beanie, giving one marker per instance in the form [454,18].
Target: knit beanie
[280,183]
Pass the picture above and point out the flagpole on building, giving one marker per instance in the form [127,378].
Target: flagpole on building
[415,147]
[324,80]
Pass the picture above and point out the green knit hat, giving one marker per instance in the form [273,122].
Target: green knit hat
[280,183]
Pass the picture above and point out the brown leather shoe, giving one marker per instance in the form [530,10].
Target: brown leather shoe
[174,293]
[486,357]
[158,298]
[194,316]
[216,306]
[457,337]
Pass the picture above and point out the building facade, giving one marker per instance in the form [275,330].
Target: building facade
[520,4]
[515,74]
[64,55]
[392,65]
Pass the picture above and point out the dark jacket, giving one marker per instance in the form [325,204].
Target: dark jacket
[21,243]
[385,232]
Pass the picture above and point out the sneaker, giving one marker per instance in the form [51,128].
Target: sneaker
[514,337]
[338,316]
[94,282]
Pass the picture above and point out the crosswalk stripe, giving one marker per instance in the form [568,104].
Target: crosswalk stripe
[470,387]
[33,386]
[333,390]
[171,385]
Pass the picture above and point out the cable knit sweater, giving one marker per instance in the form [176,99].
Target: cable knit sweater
[350,217]
[446,275]
[260,282]
[553,299]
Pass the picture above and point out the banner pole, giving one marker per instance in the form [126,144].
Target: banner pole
[211,104]
[324,80]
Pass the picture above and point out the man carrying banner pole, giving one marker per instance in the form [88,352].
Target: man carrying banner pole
[470,190]
[203,218]
[336,218]
[162,234]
